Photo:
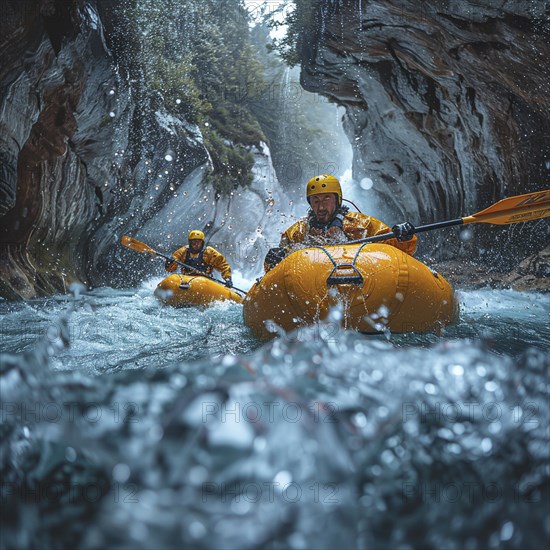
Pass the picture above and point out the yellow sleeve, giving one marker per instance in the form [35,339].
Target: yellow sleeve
[360,226]
[294,234]
[178,255]
[217,260]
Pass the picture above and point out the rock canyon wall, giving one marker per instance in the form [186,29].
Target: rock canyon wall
[448,108]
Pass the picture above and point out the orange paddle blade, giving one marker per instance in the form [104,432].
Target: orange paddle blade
[521,208]
[134,244]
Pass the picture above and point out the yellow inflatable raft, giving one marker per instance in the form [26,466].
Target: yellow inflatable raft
[378,285]
[193,290]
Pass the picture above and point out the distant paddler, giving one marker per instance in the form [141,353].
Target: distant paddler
[199,258]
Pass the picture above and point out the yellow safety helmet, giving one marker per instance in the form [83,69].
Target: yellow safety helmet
[324,183]
[195,234]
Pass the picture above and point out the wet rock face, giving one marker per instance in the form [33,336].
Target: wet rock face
[447,105]
[56,138]
[88,154]
[81,149]
[532,273]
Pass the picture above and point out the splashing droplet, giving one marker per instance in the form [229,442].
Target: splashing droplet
[366,183]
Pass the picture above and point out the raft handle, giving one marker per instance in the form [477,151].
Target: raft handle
[356,279]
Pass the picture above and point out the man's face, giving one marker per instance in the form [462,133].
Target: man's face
[324,206]
[195,245]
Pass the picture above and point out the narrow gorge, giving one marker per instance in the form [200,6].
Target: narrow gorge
[115,123]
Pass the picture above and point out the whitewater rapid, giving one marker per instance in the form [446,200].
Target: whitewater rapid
[126,423]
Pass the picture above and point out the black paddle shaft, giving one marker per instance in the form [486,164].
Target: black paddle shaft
[419,229]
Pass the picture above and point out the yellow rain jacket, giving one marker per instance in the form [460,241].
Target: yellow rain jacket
[211,259]
[355,226]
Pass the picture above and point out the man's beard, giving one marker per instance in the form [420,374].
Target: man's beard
[323,217]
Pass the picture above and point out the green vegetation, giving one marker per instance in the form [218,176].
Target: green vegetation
[197,55]
[232,163]
[297,21]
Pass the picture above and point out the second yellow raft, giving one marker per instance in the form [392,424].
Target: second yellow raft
[378,286]
[193,290]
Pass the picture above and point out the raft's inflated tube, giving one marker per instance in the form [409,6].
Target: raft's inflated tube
[379,286]
[192,291]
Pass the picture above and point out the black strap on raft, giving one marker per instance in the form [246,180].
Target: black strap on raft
[184,285]
[334,279]
[196,263]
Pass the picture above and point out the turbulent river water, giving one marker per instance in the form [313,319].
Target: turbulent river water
[126,424]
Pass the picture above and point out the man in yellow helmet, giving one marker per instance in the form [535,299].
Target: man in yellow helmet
[328,222]
[200,258]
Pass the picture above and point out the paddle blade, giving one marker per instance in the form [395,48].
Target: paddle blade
[521,208]
[134,244]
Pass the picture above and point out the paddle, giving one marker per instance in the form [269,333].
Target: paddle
[138,246]
[521,208]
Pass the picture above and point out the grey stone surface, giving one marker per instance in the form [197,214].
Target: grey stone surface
[87,157]
[448,108]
